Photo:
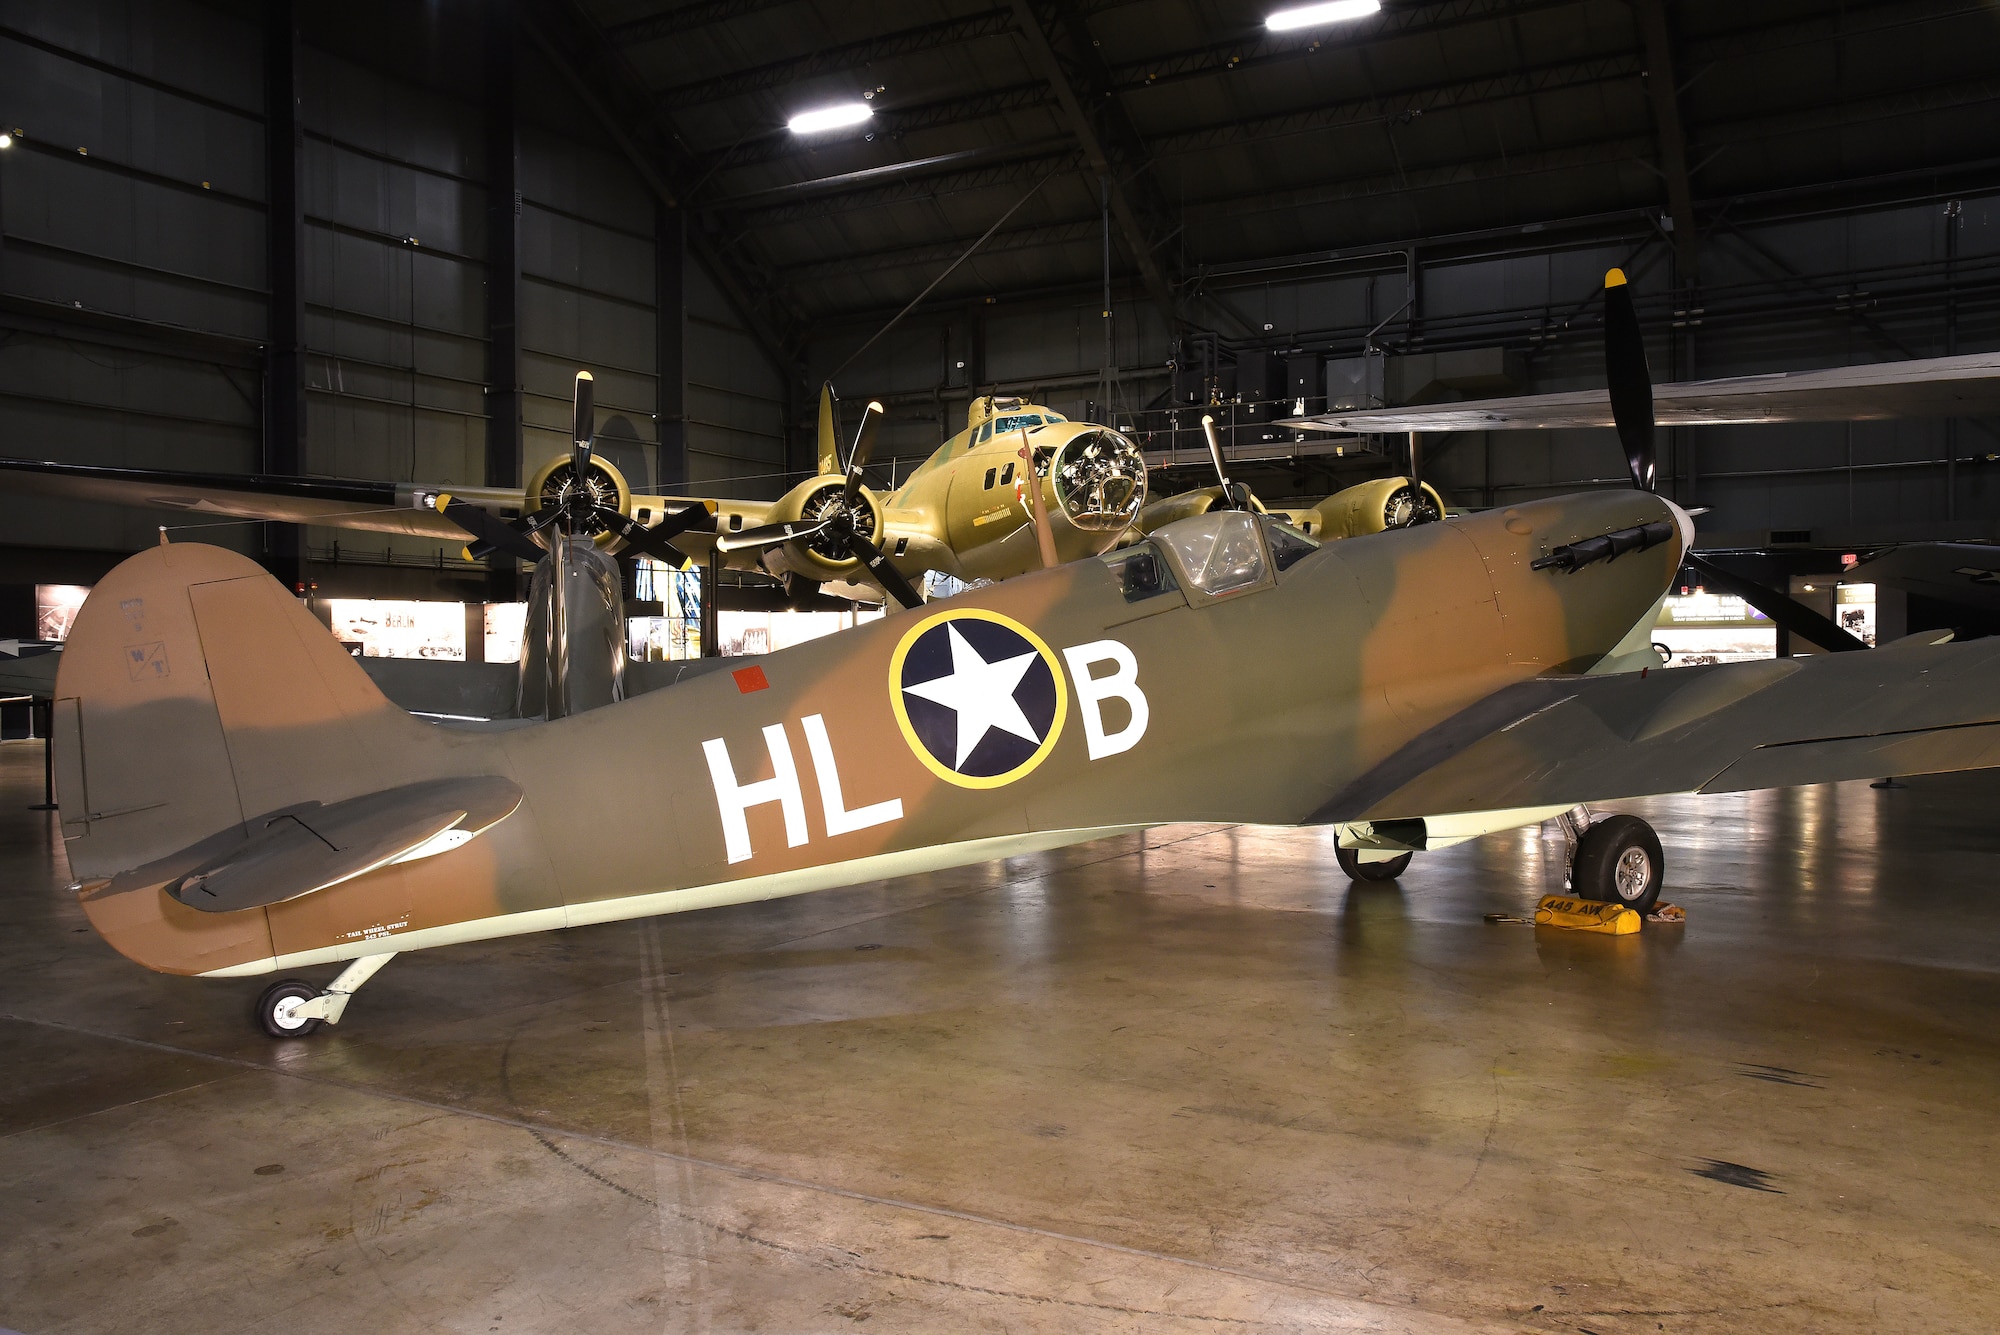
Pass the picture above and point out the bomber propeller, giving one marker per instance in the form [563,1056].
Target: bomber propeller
[1234,497]
[837,531]
[1631,385]
[575,509]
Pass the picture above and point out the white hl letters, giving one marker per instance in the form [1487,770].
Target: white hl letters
[735,799]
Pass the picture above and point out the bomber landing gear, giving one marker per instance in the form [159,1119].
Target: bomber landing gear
[1616,860]
[1382,869]
[293,1009]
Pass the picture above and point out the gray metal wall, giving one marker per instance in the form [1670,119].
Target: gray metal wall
[132,269]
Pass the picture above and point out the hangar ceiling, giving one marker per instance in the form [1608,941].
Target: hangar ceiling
[1225,142]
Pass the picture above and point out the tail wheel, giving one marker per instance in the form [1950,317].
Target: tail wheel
[1357,870]
[1618,861]
[275,1007]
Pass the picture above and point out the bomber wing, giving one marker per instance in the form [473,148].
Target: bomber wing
[378,507]
[1967,386]
[1912,708]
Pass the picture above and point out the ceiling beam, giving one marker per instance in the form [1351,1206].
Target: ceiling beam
[1663,91]
[932,253]
[865,188]
[613,94]
[684,19]
[1111,145]
[834,59]
[1216,58]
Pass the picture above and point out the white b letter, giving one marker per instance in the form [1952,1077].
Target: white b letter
[734,799]
[1091,692]
[839,820]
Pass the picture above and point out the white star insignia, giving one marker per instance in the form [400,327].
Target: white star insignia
[981,694]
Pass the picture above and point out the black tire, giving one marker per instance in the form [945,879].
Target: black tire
[1357,870]
[1618,861]
[292,989]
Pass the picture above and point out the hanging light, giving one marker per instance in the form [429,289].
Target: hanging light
[829,118]
[1311,16]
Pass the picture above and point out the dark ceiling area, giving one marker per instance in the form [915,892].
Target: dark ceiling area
[1208,141]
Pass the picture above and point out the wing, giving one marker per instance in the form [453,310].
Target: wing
[1966,386]
[1913,708]
[380,507]
[377,507]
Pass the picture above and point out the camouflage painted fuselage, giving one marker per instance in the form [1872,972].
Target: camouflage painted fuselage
[196,694]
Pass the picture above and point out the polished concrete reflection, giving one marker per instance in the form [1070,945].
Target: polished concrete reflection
[1191,1081]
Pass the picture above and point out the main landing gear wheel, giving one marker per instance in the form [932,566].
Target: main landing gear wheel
[1357,870]
[1618,861]
[275,1009]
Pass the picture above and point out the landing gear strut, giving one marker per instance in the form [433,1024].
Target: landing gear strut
[294,1008]
[1614,860]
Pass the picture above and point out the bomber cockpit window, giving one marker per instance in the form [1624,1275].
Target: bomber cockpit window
[1220,551]
[1141,573]
[1288,545]
[1016,422]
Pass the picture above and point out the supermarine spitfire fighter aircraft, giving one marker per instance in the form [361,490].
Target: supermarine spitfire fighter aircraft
[238,799]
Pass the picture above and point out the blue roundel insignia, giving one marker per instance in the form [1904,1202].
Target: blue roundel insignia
[979,696]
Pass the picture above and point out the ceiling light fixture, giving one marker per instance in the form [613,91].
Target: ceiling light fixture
[6,140]
[829,118]
[1311,16]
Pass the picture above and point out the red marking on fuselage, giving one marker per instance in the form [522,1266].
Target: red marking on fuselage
[751,679]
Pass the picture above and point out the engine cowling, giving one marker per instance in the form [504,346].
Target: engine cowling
[1185,505]
[1369,507]
[819,558]
[553,482]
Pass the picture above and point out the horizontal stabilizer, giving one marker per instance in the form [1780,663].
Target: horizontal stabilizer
[300,849]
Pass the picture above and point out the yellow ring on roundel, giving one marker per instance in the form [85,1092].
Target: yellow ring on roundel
[922,752]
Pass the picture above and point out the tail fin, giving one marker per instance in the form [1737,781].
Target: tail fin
[195,693]
[829,438]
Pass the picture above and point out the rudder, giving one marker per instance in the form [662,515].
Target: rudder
[196,693]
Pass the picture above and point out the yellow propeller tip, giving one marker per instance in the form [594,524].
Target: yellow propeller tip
[585,375]
[1615,278]
[466,552]
[441,500]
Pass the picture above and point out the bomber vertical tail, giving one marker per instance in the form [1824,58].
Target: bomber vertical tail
[829,436]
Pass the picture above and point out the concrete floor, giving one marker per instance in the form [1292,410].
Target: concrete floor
[1188,1082]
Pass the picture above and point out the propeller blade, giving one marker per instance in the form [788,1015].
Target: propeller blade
[1794,616]
[583,424]
[1229,498]
[864,445]
[829,441]
[768,535]
[1630,382]
[489,532]
[654,541]
[890,578]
